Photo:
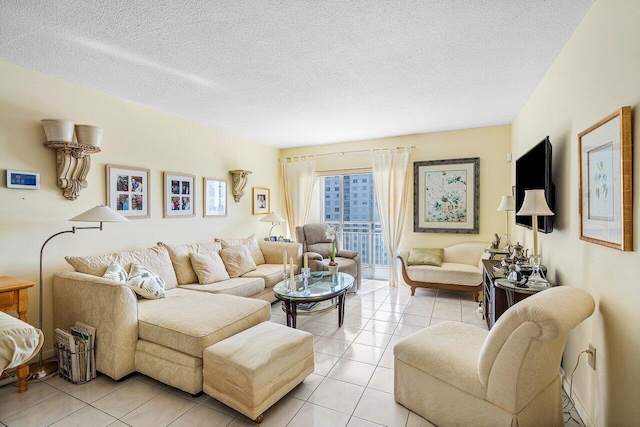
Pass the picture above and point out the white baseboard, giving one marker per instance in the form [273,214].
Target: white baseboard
[586,419]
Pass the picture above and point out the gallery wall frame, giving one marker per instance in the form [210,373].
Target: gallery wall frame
[446,196]
[128,191]
[261,202]
[606,182]
[215,197]
[179,191]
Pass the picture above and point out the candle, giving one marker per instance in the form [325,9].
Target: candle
[291,273]
[284,260]
[306,261]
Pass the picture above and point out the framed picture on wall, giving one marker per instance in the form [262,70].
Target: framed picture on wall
[128,191]
[446,196]
[215,197]
[179,190]
[260,201]
[606,205]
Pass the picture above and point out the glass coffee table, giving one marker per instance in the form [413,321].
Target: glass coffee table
[324,291]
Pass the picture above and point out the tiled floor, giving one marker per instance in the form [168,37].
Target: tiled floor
[352,384]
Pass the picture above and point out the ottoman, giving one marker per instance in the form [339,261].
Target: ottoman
[252,370]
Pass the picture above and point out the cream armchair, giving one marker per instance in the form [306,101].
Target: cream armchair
[317,248]
[455,374]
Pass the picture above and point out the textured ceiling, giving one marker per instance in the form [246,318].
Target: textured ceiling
[300,72]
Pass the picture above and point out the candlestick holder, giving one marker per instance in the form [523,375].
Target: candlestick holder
[306,273]
[285,280]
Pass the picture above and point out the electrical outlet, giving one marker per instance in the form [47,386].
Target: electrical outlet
[592,356]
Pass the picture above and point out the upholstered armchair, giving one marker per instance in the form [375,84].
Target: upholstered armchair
[455,374]
[317,247]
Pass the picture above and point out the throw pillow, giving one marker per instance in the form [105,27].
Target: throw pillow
[145,282]
[116,272]
[426,256]
[209,268]
[250,242]
[237,260]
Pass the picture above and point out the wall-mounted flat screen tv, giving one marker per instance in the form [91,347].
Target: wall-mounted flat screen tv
[533,172]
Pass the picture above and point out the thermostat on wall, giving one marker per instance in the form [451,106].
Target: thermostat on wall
[23,179]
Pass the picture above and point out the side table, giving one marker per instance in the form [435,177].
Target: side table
[511,289]
[14,296]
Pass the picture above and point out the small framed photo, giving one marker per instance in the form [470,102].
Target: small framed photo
[128,191]
[606,181]
[260,201]
[179,190]
[215,197]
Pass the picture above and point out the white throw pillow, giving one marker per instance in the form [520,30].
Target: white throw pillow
[145,282]
[250,242]
[116,272]
[237,260]
[209,268]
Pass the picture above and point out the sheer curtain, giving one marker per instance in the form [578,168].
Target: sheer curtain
[391,181]
[298,177]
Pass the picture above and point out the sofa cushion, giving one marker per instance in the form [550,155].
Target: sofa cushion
[250,242]
[145,282]
[452,273]
[197,319]
[209,268]
[426,256]
[116,272]
[179,255]
[237,260]
[156,259]
[271,273]
[239,286]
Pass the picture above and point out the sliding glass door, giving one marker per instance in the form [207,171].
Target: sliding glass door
[349,202]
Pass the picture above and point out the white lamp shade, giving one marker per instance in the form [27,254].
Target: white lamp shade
[100,214]
[272,218]
[534,204]
[507,204]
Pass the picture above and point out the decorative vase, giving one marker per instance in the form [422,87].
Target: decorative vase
[333,269]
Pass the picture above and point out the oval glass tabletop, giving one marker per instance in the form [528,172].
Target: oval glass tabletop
[319,285]
[522,286]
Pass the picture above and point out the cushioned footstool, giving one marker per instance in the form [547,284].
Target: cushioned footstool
[255,368]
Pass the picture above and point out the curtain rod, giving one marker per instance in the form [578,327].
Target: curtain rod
[350,152]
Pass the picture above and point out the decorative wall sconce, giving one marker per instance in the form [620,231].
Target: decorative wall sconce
[73,159]
[239,180]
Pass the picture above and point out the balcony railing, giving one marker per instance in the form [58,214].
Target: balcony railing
[366,238]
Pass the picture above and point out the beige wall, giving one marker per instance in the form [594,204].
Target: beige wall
[597,73]
[491,144]
[134,136]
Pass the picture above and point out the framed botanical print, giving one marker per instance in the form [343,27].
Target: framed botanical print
[215,197]
[606,205]
[260,201]
[446,196]
[179,190]
[128,191]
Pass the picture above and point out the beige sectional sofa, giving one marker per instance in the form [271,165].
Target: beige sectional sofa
[165,338]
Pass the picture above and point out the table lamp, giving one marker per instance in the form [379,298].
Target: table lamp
[274,219]
[98,214]
[534,205]
[507,204]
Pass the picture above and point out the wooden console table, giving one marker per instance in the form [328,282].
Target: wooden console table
[14,296]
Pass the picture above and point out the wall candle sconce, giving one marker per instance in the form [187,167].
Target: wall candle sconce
[239,180]
[73,159]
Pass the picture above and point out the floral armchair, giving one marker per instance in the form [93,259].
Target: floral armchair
[317,246]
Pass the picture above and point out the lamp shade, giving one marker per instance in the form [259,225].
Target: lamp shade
[272,218]
[100,214]
[534,204]
[507,204]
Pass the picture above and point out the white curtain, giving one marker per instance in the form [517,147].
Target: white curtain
[298,177]
[391,181]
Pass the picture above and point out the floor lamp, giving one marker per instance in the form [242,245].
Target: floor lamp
[274,219]
[535,205]
[507,204]
[98,214]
